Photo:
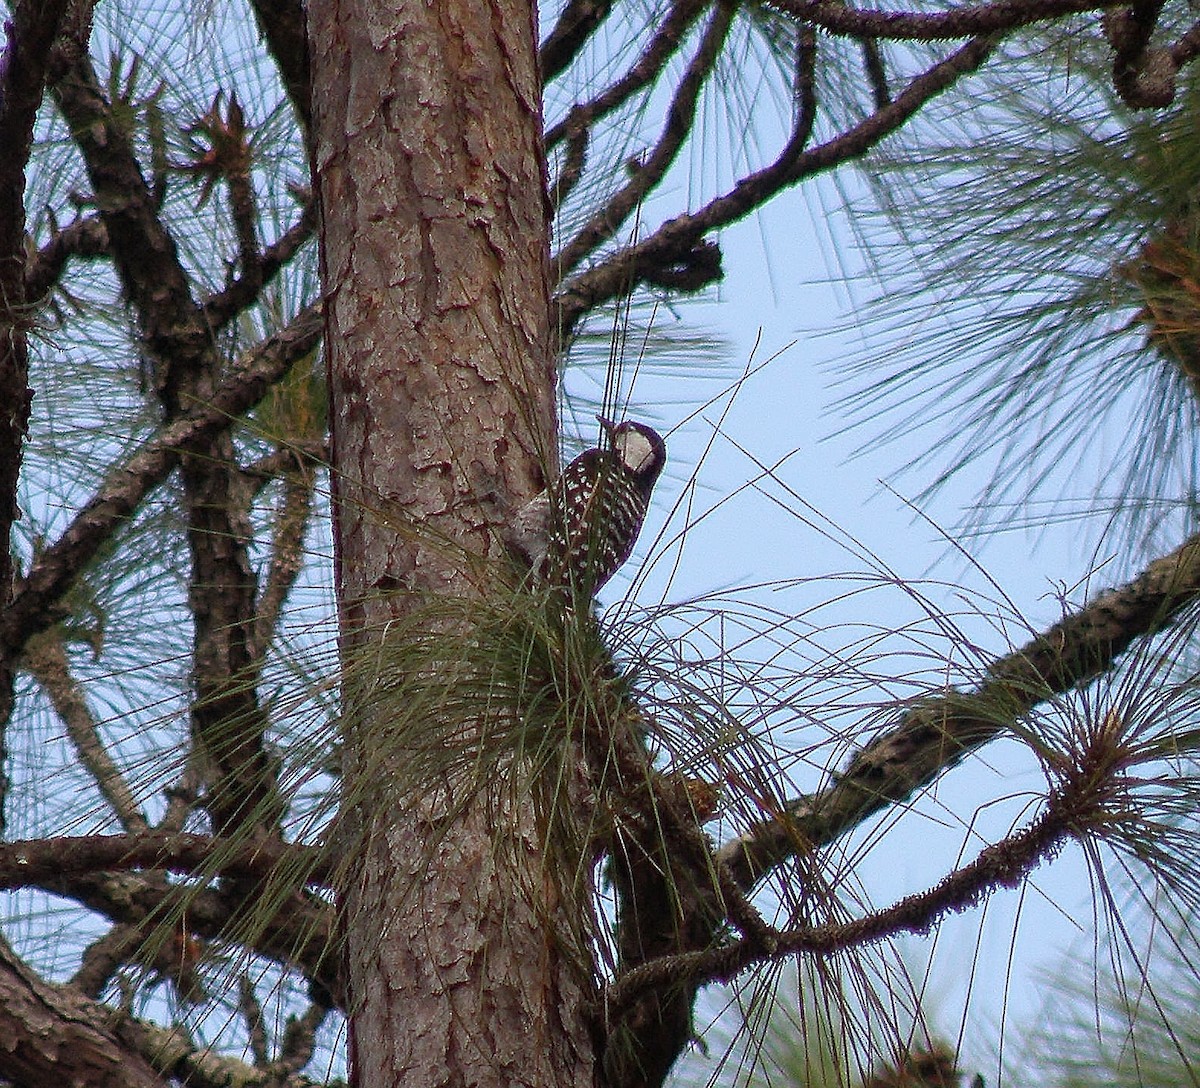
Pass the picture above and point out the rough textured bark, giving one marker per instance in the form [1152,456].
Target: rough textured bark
[426,126]
[53,1035]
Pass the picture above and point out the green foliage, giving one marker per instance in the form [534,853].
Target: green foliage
[1022,227]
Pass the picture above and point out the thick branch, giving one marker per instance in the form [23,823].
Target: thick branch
[935,735]
[143,250]
[34,861]
[281,23]
[171,1051]
[23,68]
[995,18]
[575,25]
[293,930]
[55,1035]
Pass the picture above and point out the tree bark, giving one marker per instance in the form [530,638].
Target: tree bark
[427,128]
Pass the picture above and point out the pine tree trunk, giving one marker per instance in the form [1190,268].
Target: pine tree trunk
[427,129]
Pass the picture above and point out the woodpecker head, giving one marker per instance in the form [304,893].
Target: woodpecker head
[638,449]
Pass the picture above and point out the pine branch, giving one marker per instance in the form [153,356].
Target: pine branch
[85,237]
[677,239]
[35,603]
[282,24]
[297,932]
[650,169]
[25,863]
[645,70]
[47,661]
[963,22]
[575,25]
[24,66]
[54,1035]
[245,291]
[936,734]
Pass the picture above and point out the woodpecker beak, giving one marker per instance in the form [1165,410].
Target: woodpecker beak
[607,425]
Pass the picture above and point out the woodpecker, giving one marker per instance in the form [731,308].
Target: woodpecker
[577,533]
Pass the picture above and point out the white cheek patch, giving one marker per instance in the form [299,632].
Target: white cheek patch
[635,451]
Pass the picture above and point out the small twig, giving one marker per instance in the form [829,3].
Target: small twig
[85,237]
[876,72]
[571,170]
[292,518]
[256,1028]
[1187,48]
[300,1037]
[269,467]
[243,292]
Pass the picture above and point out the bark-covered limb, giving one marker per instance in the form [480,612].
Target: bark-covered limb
[1003,864]
[105,956]
[650,63]
[243,292]
[143,250]
[281,23]
[55,1035]
[228,720]
[1187,48]
[256,1028]
[55,569]
[671,894]
[85,237]
[570,170]
[299,1040]
[876,72]
[635,264]
[929,738]
[576,22]
[935,734]
[199,1066]
[311,452]
[46,659]
[1143,76]
[227,717]
[292,518]
[33,861]
[964,22]
[649,170]
[294,930]
[30,33]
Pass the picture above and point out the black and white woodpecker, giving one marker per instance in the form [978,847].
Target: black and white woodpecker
[576,533]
